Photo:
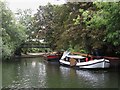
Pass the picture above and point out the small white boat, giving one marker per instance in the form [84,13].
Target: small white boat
[83,62]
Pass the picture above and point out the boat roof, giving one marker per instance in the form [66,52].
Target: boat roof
[76,56]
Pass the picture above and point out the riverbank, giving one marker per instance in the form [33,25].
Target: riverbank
[114,61]
[31,55]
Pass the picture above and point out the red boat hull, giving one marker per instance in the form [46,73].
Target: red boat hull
[54,58]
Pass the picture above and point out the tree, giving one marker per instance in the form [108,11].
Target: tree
[106,20]
[79,26]
[60,25]
[13,33]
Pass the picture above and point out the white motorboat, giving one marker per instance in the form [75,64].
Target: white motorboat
[83,62]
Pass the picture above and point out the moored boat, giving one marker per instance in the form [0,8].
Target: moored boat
[83,62]
[114,61]
[53,57]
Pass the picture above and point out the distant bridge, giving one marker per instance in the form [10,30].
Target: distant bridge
[35,46]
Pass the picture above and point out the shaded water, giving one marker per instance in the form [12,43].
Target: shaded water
[36,73]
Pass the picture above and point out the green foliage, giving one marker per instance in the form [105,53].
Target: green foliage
[64,25]
[25,18]
[106,21]
[113,27]
[77,26]
[13,34]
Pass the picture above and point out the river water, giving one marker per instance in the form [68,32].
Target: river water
[37,73]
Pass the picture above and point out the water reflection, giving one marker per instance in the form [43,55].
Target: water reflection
[24,74]
[33,64]
[36,73]
[92,78]
[42,75]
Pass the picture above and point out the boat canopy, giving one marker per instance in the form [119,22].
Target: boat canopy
[65,54]
[76,56]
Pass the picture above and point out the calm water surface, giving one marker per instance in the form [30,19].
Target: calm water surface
[36,73]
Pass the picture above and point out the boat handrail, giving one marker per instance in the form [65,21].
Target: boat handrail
[82,54]
[76,56]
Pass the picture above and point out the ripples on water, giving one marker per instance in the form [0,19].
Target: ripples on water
[36,73]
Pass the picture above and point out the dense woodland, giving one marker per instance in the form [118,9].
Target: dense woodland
[80,27]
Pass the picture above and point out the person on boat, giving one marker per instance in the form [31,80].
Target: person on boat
[86,59]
